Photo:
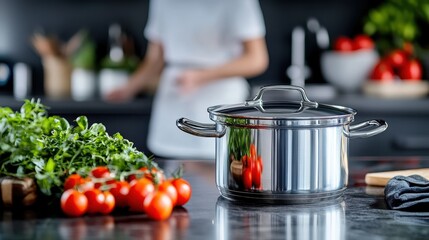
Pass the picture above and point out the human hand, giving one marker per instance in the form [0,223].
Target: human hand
[121,94]
[190,80]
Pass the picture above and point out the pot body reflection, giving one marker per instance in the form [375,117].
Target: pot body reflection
[290,165]
[311,221]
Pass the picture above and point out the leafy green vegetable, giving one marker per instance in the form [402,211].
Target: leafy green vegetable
[394,22]
[48,148]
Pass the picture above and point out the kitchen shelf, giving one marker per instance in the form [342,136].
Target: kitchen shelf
[142,105]
[138,106]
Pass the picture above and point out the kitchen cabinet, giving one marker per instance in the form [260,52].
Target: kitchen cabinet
[407,133]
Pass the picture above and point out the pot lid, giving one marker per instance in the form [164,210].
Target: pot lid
[282,113]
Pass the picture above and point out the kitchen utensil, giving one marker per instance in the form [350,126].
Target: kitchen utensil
[21,80]
[381,178]
[83,84]
[282,151]
[5,73]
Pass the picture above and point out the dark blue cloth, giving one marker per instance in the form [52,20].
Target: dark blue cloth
[408,193]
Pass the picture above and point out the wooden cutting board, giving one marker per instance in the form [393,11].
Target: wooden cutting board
[381,178]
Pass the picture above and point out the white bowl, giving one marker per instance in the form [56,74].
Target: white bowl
[347,71]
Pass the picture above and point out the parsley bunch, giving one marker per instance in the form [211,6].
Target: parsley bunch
[48,148]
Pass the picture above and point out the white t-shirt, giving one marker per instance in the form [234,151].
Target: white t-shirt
[195,34]
[203,31]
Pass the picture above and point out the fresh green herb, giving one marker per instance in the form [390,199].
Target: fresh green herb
[48,148]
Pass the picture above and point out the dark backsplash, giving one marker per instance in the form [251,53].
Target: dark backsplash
[19,19]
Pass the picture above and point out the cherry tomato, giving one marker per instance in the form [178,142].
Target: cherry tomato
[158,205]
[131,178]
[257,175]
[411,71]
[138,191]
[95,200]
[170,190]
[109,203]
[72,181]
[247,178]
[382,72]
[343,44]
[184,191]
[86,184]
[153,174]
[100,172]
[397,58]
[362,41]
[120,192]
[74,203]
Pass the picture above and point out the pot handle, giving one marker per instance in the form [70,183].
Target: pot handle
[305,102]
[380,126]
[199,129]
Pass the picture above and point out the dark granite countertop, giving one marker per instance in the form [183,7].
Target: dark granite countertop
[360,214]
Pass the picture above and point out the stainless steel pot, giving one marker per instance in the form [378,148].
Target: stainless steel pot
[282,151]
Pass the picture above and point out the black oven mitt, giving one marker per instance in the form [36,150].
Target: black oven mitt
[408,193]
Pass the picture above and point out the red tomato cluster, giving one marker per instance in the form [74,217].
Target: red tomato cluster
[346,44]
[148,191]
[252,170]
[397,63]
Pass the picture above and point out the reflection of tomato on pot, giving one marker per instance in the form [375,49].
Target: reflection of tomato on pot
[252,170]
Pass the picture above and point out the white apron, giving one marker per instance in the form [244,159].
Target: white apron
[165,139]
[201,33]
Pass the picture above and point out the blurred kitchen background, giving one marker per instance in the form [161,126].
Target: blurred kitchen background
[96,43]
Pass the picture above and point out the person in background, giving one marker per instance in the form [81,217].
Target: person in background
[201,51]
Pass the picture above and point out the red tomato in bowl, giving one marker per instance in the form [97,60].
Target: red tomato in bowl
[343,44]
[382,72]
[411,71]
[397,58]
[363,41]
